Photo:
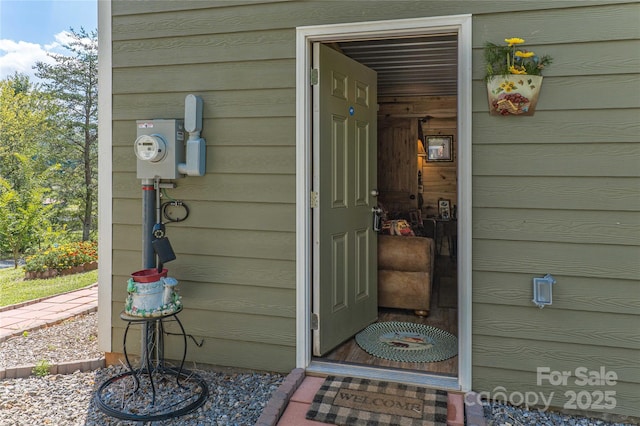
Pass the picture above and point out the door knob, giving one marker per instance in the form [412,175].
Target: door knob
[374,193]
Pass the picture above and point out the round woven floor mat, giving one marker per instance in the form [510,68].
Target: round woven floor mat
[407,342]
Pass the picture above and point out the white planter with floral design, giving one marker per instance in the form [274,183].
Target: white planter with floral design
[513,94]
[152,294]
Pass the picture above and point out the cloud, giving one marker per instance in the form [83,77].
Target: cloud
[64,37]
[21,56]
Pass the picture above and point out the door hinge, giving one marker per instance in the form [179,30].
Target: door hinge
[314,321]
[314,76]
[314,199]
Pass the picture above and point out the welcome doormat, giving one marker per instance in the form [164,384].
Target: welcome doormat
[407,342]
[348,401]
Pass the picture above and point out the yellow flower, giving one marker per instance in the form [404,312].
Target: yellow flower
[513,41]
[521,54]
[507,86]
[514,70]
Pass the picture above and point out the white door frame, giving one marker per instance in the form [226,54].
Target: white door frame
[305,36]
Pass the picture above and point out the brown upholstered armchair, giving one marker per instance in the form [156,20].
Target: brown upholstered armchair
[405,272]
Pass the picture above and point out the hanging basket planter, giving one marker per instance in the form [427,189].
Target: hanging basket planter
[513,77]
[513,94]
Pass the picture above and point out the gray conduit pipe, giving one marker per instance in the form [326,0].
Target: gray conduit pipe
[148,256]
[148,213]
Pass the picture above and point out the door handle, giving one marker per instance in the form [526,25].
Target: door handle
[377,218]
[374,193]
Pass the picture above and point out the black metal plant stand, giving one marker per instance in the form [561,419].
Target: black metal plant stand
[137,393]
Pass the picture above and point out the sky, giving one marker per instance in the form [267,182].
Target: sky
[31,28]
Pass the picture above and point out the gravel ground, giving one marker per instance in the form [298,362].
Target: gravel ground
[235,397]
[506,415]
[71,340]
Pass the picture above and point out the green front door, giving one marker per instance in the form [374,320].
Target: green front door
[344,178]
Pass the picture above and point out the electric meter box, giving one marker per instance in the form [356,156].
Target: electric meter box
[159,148]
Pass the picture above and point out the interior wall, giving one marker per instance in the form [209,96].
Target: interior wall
[397,168]
[398,160]
[439,178]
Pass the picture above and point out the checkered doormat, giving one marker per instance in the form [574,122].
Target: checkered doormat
[348,401]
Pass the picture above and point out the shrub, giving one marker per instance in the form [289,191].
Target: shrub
[35,263]
[63,257]
[41,369]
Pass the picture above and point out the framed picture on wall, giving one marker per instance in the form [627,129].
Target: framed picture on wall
[439,148]
[415,217]
[444,209]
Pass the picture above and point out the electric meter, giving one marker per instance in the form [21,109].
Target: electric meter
[151,148]
[159,148]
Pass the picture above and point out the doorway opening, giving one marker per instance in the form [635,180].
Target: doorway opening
[417,103]
[413,111]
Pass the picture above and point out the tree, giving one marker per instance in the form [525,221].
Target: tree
[23,216]
[73,82]
[24,123]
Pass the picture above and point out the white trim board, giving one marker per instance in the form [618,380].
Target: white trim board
[305,36]
[105,178]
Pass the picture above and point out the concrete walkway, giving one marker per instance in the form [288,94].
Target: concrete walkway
[31,315]
[6,264]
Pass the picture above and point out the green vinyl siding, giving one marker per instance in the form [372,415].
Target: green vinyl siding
[555,193]
[228,352]
[236,252]
[559,193]
[229,187]
[578,293]
[578,126]
[606,159]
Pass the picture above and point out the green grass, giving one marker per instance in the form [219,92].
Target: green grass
[15,289]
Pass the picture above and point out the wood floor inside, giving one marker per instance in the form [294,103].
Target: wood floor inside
[443,315]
